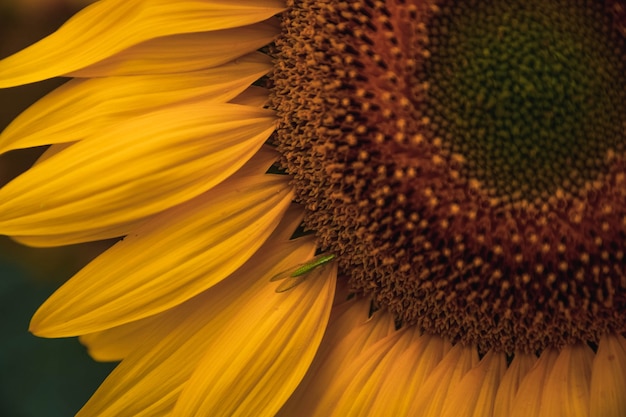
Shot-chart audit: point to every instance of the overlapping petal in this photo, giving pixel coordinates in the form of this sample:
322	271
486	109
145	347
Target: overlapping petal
400	385
171	258
150	380
177	54
474	396
116	343
254	96
383	379
255	364
350	332
431	397
608	378
519	367
110	26
82	108
528	399
566	390
356	388
141	167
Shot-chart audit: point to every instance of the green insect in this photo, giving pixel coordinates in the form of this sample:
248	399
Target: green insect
297	274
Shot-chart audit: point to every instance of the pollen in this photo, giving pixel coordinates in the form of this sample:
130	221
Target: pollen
476	155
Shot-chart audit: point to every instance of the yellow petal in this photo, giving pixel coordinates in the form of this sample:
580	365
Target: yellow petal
258	361
53	150
408	374
170	259
474	396
80	235
141	167
82	108
118	342
361	381
258	165
187	52
253	96
350	332
567	386
608	378
430	399
528	398
384	379
150	379
521	364
110	26
351	321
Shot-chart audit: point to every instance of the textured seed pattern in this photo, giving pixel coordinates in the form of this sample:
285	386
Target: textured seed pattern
470	177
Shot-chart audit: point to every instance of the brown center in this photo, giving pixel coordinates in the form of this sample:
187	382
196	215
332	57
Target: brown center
464	160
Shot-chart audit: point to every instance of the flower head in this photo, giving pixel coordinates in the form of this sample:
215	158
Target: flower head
459	166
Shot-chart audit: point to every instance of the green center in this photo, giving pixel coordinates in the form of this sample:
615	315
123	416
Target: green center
526	91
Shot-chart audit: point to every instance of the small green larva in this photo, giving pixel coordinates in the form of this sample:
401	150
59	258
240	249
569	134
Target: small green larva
297	274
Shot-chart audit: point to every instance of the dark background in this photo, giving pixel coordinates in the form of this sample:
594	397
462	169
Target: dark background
38	377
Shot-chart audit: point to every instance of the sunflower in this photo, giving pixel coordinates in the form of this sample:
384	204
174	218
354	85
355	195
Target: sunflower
350	208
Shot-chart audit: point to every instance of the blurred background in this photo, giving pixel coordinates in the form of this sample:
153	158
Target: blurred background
38	377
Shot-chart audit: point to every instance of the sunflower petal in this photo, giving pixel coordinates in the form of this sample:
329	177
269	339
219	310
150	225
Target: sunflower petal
150	379
170	259
175	154
350	332
383	379
253	96
81	108
358	385
521	364
430	399
120	229
186	52
568	384
529	395
255	366
608	378
258	165
117	343
110	26
407	375
474	396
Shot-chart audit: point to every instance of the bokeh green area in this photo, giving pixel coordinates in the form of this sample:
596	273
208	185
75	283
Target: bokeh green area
38	377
